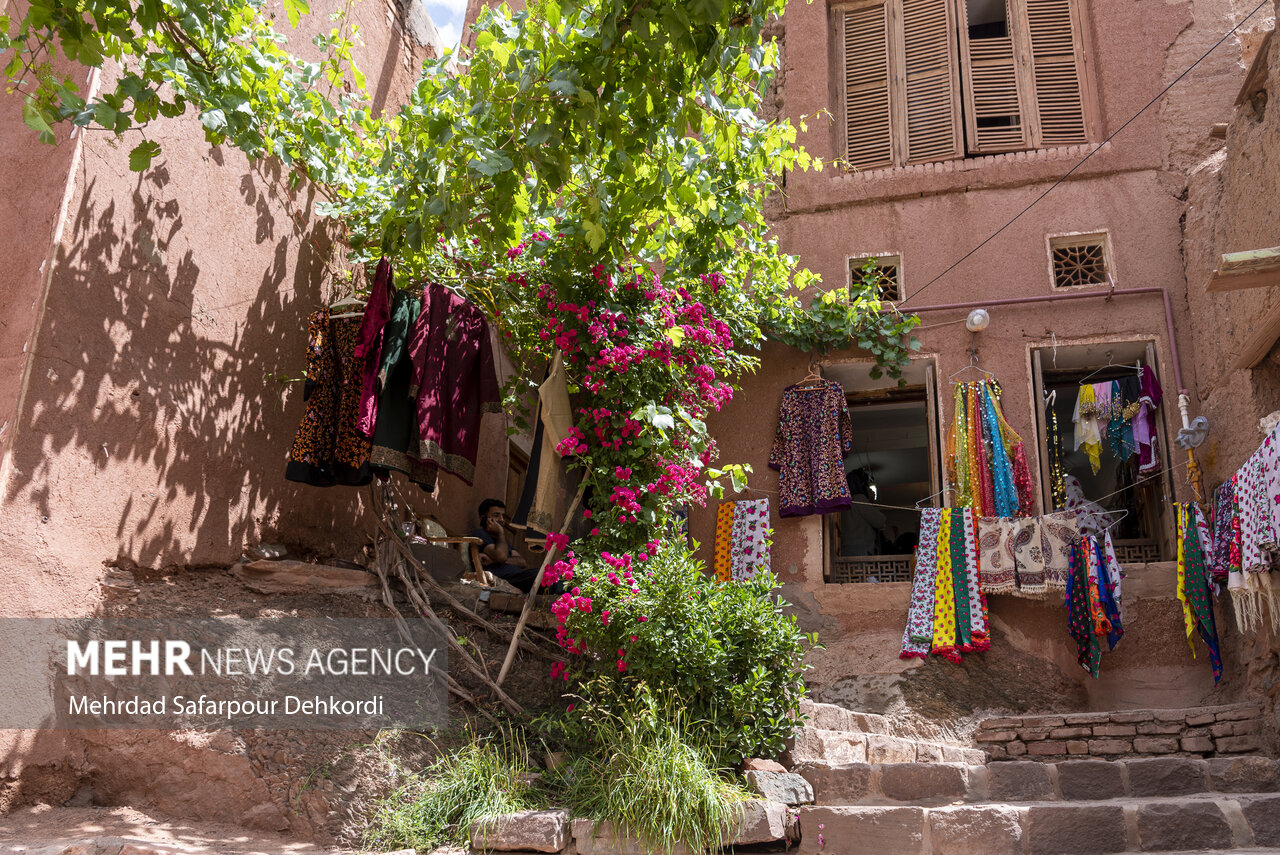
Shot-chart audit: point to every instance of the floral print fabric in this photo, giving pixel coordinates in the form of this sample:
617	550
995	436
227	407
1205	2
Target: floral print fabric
1193	590
948	611
742	540
917	636
813	437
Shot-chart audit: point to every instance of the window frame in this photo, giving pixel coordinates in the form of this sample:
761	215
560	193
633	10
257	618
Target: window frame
964	127
1165	524
850	260
1069	239
936	433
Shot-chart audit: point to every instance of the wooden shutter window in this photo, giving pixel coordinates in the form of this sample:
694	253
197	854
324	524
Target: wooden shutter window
1057	62
994	90
868	120
932	83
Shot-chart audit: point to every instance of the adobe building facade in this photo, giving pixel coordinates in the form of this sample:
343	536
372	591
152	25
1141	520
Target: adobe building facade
948	149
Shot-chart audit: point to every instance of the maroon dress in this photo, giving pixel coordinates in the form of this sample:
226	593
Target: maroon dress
454	381
814	436
369	347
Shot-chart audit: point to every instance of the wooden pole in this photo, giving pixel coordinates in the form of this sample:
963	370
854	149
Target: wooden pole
537	583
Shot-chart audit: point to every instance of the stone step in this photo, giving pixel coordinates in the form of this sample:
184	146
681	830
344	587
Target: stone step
1225	729
927	784
1212	822
844	746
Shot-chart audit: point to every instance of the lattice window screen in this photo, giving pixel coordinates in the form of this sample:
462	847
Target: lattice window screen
1079	260
887	273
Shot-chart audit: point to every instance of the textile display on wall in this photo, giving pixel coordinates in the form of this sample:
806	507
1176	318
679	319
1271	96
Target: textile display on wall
1026	556
742	540
1116	416
948	611
813	437
1093	599
401	387
1194	584
986	459
328	448
1246	537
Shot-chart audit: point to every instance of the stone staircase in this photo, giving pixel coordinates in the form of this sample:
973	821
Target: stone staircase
1050	803
1228	729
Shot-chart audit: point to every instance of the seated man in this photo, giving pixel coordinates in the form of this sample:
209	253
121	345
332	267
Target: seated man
495	554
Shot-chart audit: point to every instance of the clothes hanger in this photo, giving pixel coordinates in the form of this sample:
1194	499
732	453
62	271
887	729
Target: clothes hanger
813	379
973	363
1123	512
347	303
920	505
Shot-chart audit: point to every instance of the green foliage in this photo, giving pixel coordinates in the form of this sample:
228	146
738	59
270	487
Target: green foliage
724	652
647	771
835	320
486	777
225	60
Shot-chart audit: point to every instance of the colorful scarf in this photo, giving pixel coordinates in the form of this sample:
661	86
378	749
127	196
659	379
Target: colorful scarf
724	542
918	633
1109	589
1088	432
986	459
1098	615
944	600
978	638
1193	591
999	562
1079	620
960	580
749	549
1059	533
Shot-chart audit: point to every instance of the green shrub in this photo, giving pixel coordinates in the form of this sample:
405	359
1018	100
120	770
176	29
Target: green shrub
645	772
726	652
486	777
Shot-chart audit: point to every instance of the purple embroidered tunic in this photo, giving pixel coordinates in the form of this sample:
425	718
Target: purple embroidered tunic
368	352
813	437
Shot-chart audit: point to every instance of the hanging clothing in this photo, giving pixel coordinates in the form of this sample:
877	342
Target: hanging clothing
917	636
1058	534
1079	619
813	437
1053	440
1193	591
986	459
454	381
369	344
1144	423
1090	516
555	420
1257	532
1088	429
944	600
395	428
999	564
742	539
328	449
723	543
1269	463
1226	532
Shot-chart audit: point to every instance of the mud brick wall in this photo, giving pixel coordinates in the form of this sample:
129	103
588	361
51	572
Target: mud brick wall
1202	731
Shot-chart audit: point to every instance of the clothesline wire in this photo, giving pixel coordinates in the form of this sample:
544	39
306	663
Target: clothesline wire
1084	159
1142	480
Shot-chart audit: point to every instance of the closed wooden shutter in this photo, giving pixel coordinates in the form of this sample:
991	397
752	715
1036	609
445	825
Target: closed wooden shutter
995	92
932	82
868	119
1057	60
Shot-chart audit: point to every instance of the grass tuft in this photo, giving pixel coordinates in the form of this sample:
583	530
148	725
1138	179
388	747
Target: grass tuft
486	777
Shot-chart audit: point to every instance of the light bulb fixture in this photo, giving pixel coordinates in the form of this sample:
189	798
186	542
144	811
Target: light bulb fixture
977	320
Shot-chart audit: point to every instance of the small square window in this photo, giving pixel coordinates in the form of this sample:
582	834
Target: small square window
1079	260
885	271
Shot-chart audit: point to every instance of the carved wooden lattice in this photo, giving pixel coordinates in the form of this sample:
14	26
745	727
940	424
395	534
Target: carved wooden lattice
885	274
1130	552
1081	262
875	568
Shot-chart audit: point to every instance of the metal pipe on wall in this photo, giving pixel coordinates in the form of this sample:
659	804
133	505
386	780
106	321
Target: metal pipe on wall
1193	468
1078	295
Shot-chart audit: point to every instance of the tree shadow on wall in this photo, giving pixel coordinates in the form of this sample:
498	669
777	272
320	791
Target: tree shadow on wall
152	406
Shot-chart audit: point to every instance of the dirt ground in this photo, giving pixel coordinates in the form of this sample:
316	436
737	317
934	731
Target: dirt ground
321	783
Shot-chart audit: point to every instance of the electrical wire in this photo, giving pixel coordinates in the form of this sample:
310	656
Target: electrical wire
1084	159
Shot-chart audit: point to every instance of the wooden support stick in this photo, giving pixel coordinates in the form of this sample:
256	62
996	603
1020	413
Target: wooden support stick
537	583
